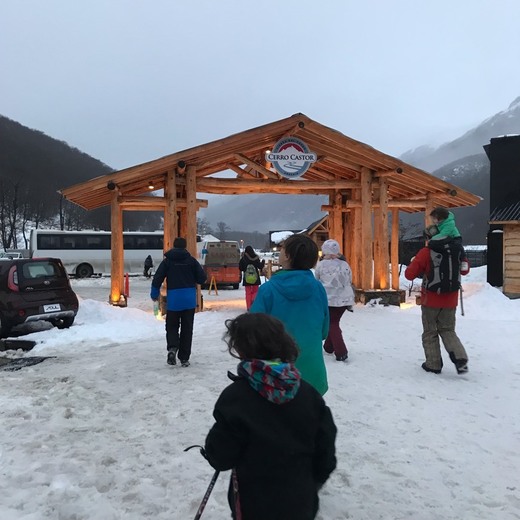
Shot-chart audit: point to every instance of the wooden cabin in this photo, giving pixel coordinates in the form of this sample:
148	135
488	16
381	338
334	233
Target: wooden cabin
509	218
295	155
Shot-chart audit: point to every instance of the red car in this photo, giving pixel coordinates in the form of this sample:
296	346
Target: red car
35	289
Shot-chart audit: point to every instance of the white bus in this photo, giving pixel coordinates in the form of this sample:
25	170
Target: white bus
85	253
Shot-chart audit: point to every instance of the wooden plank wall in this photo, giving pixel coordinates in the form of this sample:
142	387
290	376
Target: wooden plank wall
512	260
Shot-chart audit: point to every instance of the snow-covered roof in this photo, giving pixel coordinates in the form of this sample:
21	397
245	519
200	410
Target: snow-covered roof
280	236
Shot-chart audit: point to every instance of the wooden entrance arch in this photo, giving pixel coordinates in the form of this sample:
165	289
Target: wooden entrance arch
363	185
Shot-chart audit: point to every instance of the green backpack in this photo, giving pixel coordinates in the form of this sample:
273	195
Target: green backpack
251	274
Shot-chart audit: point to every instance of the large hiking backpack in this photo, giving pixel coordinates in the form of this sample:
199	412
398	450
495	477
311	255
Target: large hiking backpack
251	274
444	275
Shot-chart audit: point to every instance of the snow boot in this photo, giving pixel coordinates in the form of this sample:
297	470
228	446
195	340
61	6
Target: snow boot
428	369
171	357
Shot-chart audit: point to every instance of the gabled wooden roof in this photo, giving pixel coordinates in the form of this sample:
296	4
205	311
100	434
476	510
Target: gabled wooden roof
340	158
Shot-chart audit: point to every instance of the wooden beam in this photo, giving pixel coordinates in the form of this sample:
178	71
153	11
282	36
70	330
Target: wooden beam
257	167
143	203
239	171
215	185
388	173
392	203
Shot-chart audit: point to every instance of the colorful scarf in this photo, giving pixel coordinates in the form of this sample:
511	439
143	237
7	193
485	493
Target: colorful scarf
278	382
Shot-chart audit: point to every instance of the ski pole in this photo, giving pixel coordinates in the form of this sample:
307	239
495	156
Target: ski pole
236	495
211	484
207	494
461	302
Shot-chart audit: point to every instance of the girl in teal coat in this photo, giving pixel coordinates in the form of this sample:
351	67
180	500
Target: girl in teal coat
297	299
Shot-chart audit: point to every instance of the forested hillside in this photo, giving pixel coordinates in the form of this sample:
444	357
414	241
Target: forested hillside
33	167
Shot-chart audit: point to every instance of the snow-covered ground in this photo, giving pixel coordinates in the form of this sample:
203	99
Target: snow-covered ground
98	432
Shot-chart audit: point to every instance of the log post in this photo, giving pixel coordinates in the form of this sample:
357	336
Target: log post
117	252
330	220
191	220
355	224
338	219
427	210
395	249
384	242
191	210
170	211
366	229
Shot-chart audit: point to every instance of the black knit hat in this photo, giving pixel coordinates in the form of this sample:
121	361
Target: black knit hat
179	243
430	231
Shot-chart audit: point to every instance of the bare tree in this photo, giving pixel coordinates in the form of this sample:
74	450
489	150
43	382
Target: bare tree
203	227
9	202
222	227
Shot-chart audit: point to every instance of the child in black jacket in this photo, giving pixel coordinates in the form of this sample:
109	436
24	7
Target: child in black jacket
271	426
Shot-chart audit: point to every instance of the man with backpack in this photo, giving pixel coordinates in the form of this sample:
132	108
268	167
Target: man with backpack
251	265
440	264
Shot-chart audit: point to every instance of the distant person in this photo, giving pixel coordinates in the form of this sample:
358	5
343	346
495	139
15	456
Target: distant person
182	273
296	298
445	222
336	276
251	265
272	427
148	266
440	264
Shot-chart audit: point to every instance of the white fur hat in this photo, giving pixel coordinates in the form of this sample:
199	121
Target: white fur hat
330	247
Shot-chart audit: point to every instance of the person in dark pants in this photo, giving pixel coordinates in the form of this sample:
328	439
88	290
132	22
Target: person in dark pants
148	266
272	427
182	273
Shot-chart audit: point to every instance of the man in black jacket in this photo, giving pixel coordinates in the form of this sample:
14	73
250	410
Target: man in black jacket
182	273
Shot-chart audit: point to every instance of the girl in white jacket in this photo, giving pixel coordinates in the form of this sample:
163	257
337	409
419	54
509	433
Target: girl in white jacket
336	276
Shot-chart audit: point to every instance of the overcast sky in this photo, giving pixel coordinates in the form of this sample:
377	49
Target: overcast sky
128	81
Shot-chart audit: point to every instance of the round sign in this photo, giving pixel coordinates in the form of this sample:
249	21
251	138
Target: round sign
291	157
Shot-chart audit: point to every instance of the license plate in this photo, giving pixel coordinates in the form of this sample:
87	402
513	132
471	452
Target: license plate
52	307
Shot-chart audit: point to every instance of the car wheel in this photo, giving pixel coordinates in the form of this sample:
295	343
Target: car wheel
84	271
235	286
64	323
5	328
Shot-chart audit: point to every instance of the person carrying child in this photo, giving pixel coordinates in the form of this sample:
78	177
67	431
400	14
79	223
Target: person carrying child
441	264
271	427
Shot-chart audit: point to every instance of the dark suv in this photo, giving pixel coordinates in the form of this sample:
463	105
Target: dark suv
35	289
